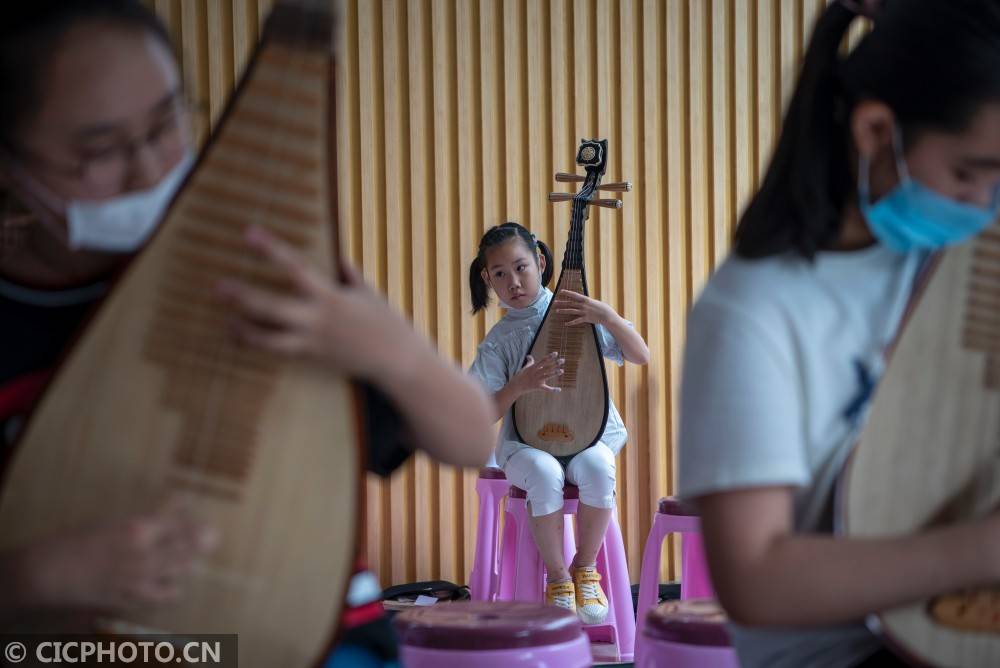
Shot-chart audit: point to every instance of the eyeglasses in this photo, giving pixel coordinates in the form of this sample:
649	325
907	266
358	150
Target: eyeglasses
109	167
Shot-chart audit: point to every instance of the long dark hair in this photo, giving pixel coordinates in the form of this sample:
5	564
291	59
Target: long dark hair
495	236
933	62
30	33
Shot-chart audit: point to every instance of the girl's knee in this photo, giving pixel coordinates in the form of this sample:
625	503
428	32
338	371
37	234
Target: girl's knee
593	471
594	463
548	468
542	478
534	466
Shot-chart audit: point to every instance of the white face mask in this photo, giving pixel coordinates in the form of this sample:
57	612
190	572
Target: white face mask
507	306
122	224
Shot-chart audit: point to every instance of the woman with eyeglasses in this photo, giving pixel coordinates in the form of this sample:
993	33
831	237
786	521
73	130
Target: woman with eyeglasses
94	142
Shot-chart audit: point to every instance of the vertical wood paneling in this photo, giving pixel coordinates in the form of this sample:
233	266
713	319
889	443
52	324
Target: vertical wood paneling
652	202
221	75
564	139
196	64
423	275
453	116
449	274
469	149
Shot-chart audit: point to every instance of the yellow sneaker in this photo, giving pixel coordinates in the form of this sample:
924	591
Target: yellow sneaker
561	595
591	603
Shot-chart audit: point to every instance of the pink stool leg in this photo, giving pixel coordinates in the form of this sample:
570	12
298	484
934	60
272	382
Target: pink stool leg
649	576
481	578
649	580
528	568
619	588
695	580
569	532
508	557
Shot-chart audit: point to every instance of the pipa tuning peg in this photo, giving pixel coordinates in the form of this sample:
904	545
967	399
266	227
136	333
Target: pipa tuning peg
564	177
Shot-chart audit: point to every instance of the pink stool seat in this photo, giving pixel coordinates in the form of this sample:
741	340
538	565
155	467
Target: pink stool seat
491	635
686	634
696	621
482	625
671	505
569	492
491	473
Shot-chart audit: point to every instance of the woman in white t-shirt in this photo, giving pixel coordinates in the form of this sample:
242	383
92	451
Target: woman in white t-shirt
885	156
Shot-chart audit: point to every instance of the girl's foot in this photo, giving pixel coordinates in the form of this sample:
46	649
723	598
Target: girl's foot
591	604
561	594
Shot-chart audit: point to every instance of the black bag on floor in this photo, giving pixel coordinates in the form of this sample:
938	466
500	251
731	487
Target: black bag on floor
405	595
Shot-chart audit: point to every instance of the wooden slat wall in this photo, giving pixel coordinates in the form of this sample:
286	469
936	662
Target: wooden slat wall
454	114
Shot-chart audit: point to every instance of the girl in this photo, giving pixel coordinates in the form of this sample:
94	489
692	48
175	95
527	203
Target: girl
517	268
93	124
885	155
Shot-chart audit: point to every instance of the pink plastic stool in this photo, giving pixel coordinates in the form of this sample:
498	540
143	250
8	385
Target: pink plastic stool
673	516
491	487
686	634
522	573
491	635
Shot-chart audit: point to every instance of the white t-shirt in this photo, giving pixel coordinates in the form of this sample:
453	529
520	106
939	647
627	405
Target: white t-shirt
781	360
502	354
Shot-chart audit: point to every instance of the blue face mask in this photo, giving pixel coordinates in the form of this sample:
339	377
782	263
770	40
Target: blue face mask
912	216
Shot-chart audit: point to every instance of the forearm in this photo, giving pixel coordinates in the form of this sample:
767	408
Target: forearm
504	398
634	349
447	410
814	580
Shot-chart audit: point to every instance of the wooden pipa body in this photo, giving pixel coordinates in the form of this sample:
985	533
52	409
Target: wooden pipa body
930	453
564	423
155	400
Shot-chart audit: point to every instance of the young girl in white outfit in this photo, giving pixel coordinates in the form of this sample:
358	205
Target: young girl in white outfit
517	267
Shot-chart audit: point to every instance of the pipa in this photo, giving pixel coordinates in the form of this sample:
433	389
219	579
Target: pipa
930	452
156	400
564	423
